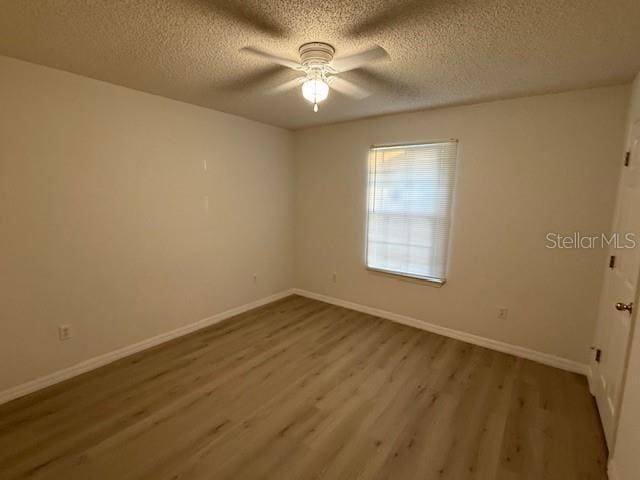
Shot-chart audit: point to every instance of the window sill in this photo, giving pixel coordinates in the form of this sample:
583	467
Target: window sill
433	282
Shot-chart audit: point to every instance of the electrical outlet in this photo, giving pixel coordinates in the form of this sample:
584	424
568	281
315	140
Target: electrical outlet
64	332
334	277
502	313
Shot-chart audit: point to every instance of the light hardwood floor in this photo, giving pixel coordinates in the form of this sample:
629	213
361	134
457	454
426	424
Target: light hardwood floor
300	389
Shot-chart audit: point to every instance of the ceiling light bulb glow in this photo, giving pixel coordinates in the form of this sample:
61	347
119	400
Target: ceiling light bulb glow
315	90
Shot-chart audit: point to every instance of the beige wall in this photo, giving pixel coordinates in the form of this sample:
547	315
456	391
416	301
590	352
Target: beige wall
104	227
625	461
527	167
103	223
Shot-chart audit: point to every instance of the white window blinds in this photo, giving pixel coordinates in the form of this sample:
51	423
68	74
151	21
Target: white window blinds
409	209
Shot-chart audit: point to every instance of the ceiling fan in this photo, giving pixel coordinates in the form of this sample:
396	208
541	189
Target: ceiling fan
320	70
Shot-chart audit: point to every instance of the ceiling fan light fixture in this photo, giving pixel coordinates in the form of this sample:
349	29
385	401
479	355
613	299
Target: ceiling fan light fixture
315	90
321	70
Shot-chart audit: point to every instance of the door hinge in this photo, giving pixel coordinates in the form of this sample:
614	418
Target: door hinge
612	261
627	158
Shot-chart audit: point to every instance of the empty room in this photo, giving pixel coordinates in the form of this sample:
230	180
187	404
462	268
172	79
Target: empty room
304	240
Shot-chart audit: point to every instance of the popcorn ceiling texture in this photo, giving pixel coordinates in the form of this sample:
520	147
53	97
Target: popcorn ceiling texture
442	52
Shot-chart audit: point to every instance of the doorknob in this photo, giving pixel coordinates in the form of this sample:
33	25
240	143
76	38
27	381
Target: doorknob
624	306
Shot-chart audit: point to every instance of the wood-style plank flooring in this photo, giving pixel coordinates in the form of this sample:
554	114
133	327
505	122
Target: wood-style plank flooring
300	389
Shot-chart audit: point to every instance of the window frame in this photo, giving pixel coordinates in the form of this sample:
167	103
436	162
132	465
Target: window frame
404	276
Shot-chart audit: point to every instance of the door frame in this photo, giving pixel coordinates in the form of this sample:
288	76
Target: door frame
595	380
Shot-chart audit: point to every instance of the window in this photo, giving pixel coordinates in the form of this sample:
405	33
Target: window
409	209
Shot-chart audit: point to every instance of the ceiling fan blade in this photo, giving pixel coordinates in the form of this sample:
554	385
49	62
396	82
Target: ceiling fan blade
347	88
288	85
260	77
358	60
385	83
241	13
392	16
285	62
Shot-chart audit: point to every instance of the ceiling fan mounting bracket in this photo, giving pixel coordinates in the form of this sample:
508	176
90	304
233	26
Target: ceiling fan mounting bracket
316	54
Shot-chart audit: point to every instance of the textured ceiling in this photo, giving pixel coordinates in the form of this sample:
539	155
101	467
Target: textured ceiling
441	52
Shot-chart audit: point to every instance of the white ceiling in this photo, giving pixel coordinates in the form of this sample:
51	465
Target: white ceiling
442	52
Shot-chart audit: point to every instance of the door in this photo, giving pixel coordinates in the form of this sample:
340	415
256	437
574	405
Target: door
619	300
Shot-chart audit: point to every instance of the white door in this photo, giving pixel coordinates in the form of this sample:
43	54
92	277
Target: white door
620	292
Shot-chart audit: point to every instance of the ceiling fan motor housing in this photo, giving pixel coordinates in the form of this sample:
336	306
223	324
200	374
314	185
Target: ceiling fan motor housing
316	54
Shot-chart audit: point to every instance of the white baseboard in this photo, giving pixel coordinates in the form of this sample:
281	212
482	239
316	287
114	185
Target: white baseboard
540	357
590	380
101	360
